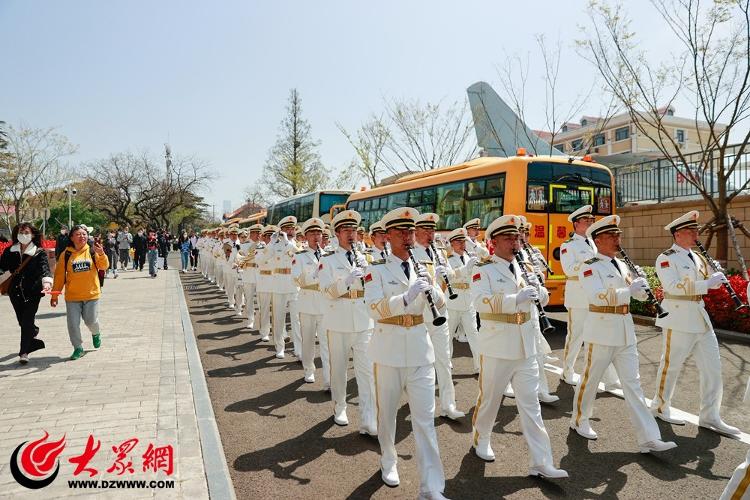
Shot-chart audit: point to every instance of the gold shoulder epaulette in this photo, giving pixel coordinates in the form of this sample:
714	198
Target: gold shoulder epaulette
668	252
426	262
300	251
377	262
568	240
591	260
483	263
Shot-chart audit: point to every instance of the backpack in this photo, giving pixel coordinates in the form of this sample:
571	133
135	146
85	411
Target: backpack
99	272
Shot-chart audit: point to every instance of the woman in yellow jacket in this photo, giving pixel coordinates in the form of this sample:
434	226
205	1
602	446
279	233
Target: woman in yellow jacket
78	271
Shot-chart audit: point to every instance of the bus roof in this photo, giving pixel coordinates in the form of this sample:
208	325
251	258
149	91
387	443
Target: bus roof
477	167
324	191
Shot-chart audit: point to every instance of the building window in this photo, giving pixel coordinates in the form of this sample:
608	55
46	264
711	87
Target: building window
622	133
680	135
599	140
584	122
560	147
576	145
564	128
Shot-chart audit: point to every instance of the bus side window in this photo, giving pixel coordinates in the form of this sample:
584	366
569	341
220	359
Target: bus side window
450	201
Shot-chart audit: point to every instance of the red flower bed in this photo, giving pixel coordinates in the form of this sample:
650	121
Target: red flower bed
47	244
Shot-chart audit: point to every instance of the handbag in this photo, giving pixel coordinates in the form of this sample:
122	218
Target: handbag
5	285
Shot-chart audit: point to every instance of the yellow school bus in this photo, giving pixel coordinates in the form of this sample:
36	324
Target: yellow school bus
543	188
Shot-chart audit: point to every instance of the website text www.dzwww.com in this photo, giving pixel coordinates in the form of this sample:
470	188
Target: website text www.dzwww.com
119	484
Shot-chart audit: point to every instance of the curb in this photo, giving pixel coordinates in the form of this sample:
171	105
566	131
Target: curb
214	462
742	338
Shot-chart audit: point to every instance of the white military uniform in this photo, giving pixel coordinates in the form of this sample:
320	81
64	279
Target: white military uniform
508	348
348	330
231	275
219	259
264	286
284	290
738	487
250	276
687	328
461	311
403	358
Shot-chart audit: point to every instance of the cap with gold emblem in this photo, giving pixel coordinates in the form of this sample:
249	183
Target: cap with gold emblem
405	217
585	212
428	220
255	228
524	225
472	224
287	222
376	227
313	224
506	224
689	220
608	224
361	229
233	230
327	233
457	234
346	218
269	230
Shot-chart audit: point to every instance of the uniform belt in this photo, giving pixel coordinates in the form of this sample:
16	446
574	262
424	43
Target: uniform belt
405	320
460	286
353	294
625	309
572	278
518	318
311	287
283	270
251	264
691	298
265	272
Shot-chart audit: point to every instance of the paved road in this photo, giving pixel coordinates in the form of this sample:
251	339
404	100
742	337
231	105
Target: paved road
280	440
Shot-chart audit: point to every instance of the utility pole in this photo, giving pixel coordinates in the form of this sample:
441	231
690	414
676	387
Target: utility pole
70	192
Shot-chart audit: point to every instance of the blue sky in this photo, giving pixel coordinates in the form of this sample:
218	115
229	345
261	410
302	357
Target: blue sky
212	78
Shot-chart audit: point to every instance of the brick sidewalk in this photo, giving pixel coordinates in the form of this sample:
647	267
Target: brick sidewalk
136	386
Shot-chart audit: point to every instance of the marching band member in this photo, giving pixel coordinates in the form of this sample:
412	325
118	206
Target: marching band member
609	335
285	291
439	335
249	269
378	250
687	328
239	288
327	240
230	269
219	258
461	311
403	354
738	487
474	247
507	346
264	258
347	322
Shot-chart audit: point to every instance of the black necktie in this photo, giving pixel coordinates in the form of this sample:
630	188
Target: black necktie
429	253
317	254
349	256
587	242
405	267
382	253
614	263
690	254
462	259
512	270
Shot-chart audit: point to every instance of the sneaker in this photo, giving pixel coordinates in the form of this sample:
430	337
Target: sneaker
23	359
78	352
97	339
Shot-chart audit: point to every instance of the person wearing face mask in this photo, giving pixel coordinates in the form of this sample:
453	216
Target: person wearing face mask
62	241
25	265
184	245
139	245
110	248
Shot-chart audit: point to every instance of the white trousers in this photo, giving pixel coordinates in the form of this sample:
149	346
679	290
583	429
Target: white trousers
293	307
573	343
325	359
230	284
738	487
204	265
419	385
219	271
340	345
625	359
441	343
523	375
249	292
279	306
676	347
264	313
312	327
210	268
467	320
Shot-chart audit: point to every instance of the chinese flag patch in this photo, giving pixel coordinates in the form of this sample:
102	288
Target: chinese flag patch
368	278
587	273
294	261
476	277
320	267
564	251
664	264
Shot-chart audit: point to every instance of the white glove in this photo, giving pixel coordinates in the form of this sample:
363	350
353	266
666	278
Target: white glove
355	274
471	262
639	271
533	280
527	294
716	279
361	261
284	237
638	286
440	270
419	286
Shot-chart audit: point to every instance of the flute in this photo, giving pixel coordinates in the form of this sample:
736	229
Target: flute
659	311
717	268
451	294
543	319
437	319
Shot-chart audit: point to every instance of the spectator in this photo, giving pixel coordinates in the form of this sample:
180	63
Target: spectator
62	241
184	245
139	245
193	250
165	240
124	240
110	248
28	260
78	274
152	247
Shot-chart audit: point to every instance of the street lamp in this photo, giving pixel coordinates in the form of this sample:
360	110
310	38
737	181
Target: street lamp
70	192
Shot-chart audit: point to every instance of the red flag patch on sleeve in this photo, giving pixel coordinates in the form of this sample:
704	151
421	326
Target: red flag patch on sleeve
664	264
368	278
320	267
476	277
587	273
564	251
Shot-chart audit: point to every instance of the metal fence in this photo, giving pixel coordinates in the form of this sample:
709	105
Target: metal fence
657	180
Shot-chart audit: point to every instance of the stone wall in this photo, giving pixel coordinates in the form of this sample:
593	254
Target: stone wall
644	236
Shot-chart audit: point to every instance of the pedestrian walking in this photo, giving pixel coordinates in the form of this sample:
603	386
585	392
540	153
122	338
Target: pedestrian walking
165	240
183	243
139	245
78	274
110	248
152	247
124	241
27	268
193	250
62	241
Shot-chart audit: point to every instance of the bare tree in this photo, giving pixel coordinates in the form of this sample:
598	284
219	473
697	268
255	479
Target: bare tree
369	146
32	161
712	70
114	184
256	195
3	136
293	165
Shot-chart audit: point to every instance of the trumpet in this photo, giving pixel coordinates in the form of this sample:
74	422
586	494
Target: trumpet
717	268
451	294
543	319
659	311
437	319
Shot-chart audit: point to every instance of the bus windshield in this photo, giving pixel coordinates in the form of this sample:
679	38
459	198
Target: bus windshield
327	200
563	187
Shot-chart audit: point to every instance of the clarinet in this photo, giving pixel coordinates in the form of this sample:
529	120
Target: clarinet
451	294
659	311
717	268
543	319
357	260
537	263
437	319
